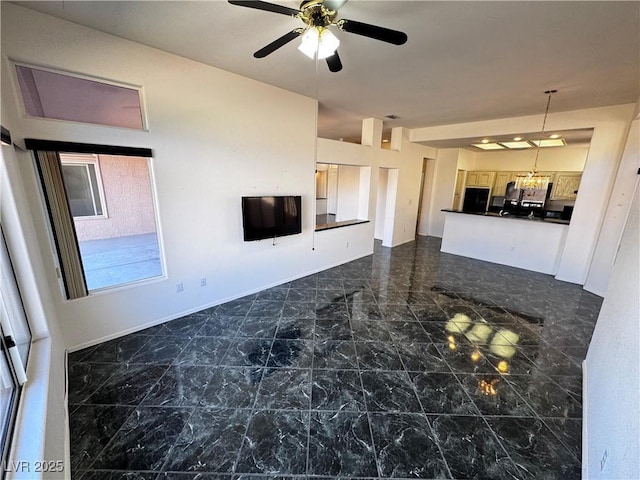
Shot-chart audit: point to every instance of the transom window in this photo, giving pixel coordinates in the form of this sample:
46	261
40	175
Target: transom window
79	98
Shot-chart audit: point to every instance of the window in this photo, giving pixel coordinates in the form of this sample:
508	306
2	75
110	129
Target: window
15	342
84	186
75	98
96	250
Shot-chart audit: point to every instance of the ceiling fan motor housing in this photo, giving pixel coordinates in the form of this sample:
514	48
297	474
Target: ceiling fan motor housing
315	14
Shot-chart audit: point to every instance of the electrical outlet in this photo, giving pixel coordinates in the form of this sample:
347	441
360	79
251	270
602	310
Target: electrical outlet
347	244
203	282
179	287
603	461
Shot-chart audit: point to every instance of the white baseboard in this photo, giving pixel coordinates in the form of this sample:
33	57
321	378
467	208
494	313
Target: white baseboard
181	314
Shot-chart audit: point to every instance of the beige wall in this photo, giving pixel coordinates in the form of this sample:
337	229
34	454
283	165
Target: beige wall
550	159
128	197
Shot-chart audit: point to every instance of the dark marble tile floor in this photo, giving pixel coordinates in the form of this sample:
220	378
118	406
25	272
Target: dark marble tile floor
405	364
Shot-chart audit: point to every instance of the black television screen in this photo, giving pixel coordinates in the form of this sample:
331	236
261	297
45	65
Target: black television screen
270	217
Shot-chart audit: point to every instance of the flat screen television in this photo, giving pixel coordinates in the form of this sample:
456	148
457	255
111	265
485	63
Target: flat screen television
270	217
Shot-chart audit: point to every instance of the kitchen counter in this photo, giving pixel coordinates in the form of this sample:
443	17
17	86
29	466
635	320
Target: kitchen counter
531	244
512	217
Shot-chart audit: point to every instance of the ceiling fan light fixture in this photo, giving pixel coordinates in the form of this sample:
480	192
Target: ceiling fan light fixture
318	41
309	42
329	43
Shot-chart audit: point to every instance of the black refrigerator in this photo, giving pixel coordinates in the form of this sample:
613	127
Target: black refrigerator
476	200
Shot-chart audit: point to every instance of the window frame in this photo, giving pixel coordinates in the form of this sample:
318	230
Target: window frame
77	159
37	146
106	81
8	428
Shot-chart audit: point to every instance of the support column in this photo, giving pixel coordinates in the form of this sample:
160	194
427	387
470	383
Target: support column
372	132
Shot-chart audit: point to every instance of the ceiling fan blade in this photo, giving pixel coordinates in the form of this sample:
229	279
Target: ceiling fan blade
277	43
334	5
266	6
334	63
373	31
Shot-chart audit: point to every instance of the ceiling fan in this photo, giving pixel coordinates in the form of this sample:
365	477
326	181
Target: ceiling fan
317	40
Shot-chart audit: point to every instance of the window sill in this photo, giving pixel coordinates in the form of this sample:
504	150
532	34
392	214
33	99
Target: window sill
344	223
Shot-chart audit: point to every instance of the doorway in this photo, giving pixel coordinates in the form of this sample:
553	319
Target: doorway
426	196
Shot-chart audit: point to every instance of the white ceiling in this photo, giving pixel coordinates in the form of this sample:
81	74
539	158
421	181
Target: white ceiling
464	61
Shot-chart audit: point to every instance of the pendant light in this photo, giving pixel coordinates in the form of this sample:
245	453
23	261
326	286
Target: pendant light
533	181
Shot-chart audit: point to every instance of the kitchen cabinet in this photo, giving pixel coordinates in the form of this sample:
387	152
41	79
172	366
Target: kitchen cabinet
564	183
480	179
566	186
502	179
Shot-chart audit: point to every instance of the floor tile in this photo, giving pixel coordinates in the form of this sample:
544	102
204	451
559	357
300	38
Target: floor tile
209	442
378	356
91	429
291	353
285	388
470	449
144	440
203	351
160	350
296	329
276	443
335	354
232	387
338	390
340	445
356	372
247	352
421	357
389	392
128	384
443	393
493	395
85	378
405	447
534	449
179	386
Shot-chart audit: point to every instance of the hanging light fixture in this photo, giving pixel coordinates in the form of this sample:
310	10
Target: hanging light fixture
533	181
318	41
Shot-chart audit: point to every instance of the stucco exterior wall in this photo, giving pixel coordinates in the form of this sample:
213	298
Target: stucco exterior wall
128	198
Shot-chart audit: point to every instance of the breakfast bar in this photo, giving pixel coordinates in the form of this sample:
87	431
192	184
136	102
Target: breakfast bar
532	244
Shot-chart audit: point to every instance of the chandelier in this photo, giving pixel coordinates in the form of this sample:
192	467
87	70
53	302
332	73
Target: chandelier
533	181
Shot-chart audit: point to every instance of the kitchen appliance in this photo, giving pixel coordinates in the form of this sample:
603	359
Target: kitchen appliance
475	200
525	201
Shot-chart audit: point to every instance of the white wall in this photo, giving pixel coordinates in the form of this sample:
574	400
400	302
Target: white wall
381	202
610	126
446	169
616	213
426	196
611	426
408	161
564	159
215	136
348	192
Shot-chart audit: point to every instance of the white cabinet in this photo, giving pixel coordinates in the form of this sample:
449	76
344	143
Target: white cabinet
566	186
500	185
480	179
